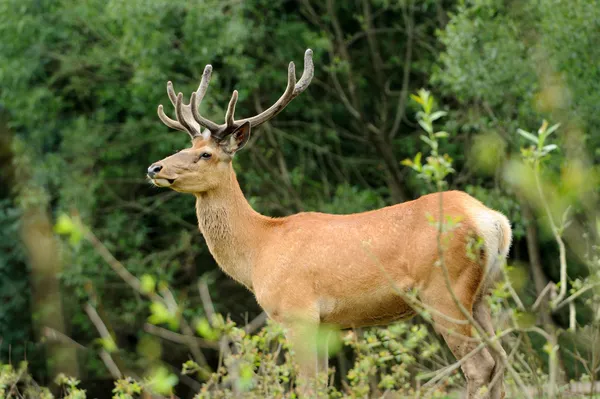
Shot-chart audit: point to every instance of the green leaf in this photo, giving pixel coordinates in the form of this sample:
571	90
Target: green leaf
162	315
549	349
147	284
428	141
204	329
64	224
528	136
441	134
418	159
162	382
108	344
426	126
437	115
76	236
429	105
246	374
190	367
417	99
552	129
543	128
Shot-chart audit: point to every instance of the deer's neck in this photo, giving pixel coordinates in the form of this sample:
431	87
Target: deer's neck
231	229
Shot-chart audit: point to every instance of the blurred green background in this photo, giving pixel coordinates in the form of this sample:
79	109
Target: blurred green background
80	82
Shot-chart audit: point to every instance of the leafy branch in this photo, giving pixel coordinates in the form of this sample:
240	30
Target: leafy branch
436	167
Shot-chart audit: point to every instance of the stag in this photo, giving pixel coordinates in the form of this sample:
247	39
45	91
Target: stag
347	270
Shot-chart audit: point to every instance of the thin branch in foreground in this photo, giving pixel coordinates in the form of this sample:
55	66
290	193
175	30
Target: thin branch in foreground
255	324
207	303
105	334
56	336
178	338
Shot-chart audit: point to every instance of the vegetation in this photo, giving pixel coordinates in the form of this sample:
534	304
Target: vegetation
107	287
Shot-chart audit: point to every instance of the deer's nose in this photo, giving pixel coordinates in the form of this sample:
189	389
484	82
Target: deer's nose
153	170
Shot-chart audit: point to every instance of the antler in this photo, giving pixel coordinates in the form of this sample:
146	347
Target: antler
189	119
292	91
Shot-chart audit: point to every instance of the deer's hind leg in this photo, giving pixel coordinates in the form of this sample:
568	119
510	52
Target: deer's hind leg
477	363
481	313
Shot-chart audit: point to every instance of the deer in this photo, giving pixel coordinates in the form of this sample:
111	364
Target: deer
346	270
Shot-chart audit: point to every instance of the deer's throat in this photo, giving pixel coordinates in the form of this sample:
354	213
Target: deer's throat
228	225
215	224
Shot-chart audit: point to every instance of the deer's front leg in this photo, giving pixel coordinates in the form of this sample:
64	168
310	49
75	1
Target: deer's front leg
311	348
323	355
301	335
301	324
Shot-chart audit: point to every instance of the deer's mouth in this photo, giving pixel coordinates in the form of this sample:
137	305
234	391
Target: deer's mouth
162	182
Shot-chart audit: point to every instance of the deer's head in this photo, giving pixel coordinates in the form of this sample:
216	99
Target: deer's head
207	163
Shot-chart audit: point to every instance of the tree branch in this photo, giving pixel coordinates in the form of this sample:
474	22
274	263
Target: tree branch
401	109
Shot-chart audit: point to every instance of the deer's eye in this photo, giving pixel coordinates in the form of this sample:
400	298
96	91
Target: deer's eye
205	155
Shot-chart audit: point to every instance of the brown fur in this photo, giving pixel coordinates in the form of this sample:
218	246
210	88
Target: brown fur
346	269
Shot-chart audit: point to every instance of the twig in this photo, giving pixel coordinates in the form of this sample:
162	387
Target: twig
544	292
372	42
105	334
55	335
512	292
408	21
110	364
575	295
176	337
112	261
557	237
440	374
256	323
343	51
572	318
207	303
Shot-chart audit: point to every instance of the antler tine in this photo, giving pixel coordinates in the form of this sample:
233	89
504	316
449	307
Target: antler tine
168	121
231	109
204	82
192	131
197	97
181	123
292	90
171	93
307	74
202	121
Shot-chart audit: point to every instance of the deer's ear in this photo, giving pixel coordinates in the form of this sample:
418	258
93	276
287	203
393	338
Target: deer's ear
237	139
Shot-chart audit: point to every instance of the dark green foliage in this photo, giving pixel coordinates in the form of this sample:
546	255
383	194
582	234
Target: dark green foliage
519	61
15	319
